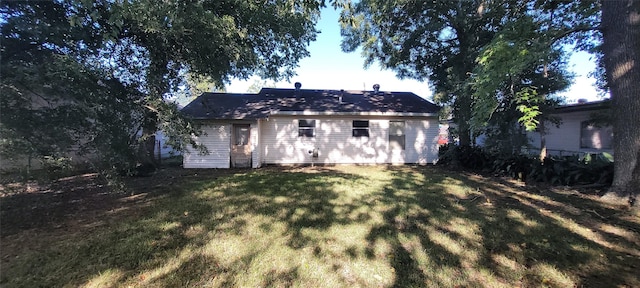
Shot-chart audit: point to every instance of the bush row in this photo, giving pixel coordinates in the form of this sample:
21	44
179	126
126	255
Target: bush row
555	170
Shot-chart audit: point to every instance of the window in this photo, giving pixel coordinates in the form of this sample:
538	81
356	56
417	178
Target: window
360	128
396	135
241	135
306	128
595	137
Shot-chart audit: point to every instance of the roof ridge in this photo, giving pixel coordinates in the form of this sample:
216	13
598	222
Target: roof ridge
222	105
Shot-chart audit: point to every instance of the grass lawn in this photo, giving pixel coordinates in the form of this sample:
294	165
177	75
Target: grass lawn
345	226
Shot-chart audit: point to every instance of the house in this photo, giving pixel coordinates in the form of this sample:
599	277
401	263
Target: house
580	130
164	150
305	126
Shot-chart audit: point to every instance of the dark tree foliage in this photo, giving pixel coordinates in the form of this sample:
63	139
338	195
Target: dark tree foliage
442	40
434	40
53	100
96	74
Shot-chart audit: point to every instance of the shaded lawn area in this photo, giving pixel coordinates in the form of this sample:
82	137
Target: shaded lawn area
345	226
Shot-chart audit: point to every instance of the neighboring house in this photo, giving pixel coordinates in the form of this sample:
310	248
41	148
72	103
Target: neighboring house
164	150
579	131
302	126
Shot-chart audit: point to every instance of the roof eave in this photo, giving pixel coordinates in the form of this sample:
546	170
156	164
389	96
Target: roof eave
575	107
333	113
221	119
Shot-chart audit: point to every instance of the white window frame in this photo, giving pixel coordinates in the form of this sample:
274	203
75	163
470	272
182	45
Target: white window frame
306	125
588	132
358	129
398	133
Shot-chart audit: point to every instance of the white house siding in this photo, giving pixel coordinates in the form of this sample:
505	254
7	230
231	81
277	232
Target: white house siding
422	141
256	158
217	140
333	138
565	139
164	151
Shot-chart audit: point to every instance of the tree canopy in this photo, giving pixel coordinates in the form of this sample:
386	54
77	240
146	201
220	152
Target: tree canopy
97	73
434	40
495	61
459	46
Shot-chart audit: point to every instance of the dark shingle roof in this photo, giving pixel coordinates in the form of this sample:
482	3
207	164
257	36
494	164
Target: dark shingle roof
587	106
272	101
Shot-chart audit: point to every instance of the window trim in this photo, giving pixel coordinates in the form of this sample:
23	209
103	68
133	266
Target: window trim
237	131
602	130
402	135
306	125
360	128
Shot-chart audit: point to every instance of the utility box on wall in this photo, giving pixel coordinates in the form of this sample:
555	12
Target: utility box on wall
314	153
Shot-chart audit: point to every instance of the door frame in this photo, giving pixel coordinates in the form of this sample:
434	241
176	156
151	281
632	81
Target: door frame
247	151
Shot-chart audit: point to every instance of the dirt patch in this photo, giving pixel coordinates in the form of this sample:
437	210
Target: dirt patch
35	213
81	200
32	205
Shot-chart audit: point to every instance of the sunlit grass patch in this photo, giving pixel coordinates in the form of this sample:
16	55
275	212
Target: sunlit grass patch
547	275
344	226
107	278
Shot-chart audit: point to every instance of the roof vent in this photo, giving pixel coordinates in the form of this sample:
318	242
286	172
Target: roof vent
582	100
376	88
297	85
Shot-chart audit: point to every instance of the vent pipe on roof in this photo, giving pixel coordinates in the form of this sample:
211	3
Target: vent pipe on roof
297	85
376	88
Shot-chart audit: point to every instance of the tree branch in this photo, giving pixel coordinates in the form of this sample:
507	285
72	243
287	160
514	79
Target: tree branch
26	87
574	30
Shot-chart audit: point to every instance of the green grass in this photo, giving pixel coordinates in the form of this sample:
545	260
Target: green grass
350	226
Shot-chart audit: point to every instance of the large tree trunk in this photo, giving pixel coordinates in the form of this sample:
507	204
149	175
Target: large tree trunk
621	47
462	121
464	116
146	162
157	85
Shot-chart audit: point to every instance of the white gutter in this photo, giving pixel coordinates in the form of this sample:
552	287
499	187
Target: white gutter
316	113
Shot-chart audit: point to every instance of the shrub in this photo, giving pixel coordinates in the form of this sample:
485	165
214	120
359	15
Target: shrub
56	167
516	166
574	170
555	170
467	157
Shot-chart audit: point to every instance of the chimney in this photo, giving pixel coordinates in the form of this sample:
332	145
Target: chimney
582	101
376	88
297	85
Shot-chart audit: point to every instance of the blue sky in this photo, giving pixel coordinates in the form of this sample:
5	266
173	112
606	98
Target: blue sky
330	68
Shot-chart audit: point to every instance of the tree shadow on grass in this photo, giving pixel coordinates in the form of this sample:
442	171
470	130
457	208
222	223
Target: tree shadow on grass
40	205
546	236
421	227
418	259
189	217
478	232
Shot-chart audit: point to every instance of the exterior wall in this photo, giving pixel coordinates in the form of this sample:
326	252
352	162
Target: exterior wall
422	141
333	138
565	139
218	143
256	158
216	138
164	150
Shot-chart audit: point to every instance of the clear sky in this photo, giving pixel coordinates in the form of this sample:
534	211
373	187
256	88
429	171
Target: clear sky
330	68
